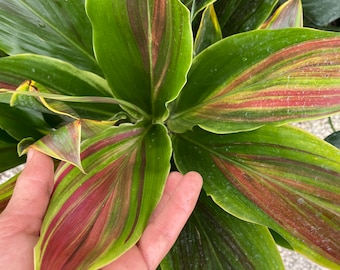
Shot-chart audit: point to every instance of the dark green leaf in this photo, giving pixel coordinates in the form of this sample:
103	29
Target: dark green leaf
187	3
9	156
6	138
214	239
199	5
20	123
237	16
321	13
57	28
334	139
58	75
209	31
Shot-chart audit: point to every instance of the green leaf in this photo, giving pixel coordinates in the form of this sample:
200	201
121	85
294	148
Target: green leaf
214	239
236	16
291	74
6	138
8	156
19	98
200	5
282	177
35	96
287	15
59	77
209	31
323	13
57	29
111	204
155	49
334	139
19	123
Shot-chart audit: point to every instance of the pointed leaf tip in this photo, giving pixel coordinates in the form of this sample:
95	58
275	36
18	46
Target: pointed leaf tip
62	144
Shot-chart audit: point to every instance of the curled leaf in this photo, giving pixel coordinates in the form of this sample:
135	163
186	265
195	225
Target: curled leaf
39	102
62	144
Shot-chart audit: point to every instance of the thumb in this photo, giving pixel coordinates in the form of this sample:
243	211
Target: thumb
33	188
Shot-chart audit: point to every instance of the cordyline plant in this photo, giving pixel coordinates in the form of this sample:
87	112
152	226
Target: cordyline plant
123	91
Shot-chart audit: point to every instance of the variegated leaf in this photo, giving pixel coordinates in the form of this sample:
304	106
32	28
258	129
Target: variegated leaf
289	14
94	218
236	85
6	191
64	143
157	41
276	177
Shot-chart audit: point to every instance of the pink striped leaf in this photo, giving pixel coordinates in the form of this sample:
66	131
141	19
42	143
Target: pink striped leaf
259	78
289	14
63	144
155	36
94	218
274	176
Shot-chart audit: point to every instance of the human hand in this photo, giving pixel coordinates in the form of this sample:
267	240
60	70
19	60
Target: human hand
20	222
167	221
